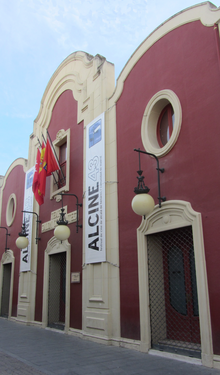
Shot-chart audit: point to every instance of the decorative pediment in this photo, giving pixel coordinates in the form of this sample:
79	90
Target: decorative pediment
56	246
78	73
7	257
172	214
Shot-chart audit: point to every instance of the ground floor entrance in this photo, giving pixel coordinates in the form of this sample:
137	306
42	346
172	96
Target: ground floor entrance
174	312
57	291
6	283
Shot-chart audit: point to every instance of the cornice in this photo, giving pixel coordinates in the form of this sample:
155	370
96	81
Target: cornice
71	74
206	12
83	57
70	81
20	161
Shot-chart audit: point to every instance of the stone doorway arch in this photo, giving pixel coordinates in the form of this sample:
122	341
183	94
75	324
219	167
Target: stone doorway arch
173	215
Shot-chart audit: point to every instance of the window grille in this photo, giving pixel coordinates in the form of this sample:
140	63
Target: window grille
174	311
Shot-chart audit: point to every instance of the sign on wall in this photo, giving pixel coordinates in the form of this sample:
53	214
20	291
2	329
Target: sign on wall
25	263
95	250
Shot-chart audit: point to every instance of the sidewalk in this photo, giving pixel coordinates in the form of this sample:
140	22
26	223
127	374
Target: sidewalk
26	350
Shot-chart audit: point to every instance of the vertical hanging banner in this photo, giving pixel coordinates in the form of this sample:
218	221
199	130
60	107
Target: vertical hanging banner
95	250
25	263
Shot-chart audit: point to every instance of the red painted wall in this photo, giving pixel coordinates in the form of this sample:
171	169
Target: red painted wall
64	116
14	184
185	61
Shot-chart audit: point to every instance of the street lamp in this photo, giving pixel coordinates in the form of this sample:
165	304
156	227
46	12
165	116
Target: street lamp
22	241
62	231
143	204
6	239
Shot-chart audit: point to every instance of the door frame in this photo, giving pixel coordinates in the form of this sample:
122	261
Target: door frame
54	246
173	215
7	257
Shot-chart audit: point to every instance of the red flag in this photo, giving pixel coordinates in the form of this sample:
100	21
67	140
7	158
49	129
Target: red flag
36	171
36	180
50	159
49	165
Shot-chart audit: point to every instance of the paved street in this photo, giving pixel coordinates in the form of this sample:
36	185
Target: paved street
26	350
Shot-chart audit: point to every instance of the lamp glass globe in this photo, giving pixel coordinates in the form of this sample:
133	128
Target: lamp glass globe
62	232
22	242
143	204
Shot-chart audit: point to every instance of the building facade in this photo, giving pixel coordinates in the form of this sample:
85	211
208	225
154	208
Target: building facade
149	283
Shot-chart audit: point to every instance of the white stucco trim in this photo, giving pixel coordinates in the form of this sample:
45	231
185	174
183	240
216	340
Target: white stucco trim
206	12
216	359
172	215
80	73
150	120
61	137
17	162
10	216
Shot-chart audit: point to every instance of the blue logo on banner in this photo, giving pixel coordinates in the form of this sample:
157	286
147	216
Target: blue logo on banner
30	179
95	134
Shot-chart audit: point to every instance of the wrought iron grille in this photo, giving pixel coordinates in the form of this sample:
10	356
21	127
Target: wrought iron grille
57	291
6	290
174	311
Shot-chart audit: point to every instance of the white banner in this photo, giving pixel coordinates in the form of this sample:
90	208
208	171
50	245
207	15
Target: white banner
95	250
25	263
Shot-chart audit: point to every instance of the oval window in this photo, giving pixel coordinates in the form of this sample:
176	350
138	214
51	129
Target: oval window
165	125
161	123
11	210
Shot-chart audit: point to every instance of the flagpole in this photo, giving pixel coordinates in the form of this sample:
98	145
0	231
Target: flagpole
39	142
44	139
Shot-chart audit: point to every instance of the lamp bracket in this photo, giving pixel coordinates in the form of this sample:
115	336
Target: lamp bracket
62	220
6	238
37	238
141	187
160	169
23	232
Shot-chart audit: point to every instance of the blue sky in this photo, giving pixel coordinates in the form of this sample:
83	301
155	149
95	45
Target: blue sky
37	35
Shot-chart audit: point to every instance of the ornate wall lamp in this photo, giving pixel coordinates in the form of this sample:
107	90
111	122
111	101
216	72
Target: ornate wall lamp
62	231
22	241
6	239
143	204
